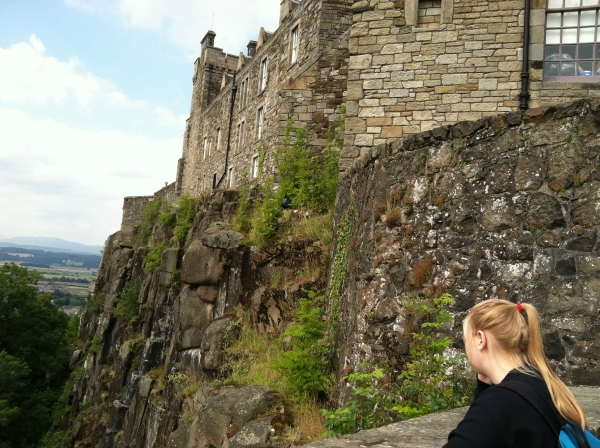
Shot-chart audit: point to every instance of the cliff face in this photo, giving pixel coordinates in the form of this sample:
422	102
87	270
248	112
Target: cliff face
134	366
504	207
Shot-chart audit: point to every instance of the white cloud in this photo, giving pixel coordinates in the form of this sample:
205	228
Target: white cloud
28	76
65	182
185	22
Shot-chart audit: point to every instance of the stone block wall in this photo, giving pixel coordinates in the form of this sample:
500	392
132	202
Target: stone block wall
407	77
501	207
133	210
309	92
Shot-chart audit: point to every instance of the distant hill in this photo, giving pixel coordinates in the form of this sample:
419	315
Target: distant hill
50	244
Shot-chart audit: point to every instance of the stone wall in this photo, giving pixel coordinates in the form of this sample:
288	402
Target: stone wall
309	92
133	210
503	207
406	76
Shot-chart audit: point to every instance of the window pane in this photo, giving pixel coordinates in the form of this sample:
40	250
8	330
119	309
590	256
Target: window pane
571	3
588	18
597	51
586	51
585	68
568	52
589	2
553	20
551	52
567	69
551	69
569	36
555	4
570	19
553	37
586	34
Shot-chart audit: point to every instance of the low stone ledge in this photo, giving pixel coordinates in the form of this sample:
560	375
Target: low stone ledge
431	431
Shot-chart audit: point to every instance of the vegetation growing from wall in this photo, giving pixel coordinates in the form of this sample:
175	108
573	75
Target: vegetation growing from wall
127	303
186	211
308	179
158	210
433	381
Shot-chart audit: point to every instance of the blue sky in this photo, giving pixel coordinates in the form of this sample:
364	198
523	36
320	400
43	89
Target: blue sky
94	95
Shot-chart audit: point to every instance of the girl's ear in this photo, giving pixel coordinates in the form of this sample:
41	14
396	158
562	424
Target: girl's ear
481	340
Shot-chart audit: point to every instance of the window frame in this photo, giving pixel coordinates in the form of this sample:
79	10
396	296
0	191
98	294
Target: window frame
263	78
240	137
230	177
260	119
295	43
205	146
254	167
218	143
244	92
576	46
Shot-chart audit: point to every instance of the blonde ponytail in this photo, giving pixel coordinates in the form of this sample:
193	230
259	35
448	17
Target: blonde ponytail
519	334
562	397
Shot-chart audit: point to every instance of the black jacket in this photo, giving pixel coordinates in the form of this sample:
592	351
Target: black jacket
500	418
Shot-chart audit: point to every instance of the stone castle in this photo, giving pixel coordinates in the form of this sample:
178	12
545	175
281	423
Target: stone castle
400	67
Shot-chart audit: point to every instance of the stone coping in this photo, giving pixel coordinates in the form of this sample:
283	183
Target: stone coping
431	431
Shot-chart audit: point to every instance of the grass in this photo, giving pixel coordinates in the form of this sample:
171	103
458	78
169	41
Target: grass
314	227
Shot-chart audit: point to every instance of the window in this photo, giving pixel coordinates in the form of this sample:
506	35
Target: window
295	44
262	80
254	167
244	93
218	139
209	146
230	178
205	147
214	183
240	135
571	52
259	122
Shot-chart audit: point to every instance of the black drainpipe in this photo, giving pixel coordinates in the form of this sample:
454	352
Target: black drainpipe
233	93
210	72
524	95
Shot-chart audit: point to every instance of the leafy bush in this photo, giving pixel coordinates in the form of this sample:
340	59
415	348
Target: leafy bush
244	212
306	364
153	258
157	210
432	380
96	305
309	180
55	439
127	306
264	219
185	217
95	344
370	405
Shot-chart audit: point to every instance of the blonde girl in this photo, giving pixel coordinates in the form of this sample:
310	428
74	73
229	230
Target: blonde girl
503	341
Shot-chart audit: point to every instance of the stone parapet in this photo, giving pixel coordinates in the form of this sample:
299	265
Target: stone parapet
431	431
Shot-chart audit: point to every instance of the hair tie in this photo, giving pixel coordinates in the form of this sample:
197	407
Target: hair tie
520	307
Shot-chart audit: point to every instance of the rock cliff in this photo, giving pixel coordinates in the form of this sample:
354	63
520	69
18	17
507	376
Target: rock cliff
506	206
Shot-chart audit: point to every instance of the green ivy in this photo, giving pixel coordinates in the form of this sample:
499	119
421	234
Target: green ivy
338	274
244	213
158	210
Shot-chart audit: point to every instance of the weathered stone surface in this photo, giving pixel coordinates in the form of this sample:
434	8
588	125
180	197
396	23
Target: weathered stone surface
194	316
201	265
544	212
230	412
220	236
212	344
207	293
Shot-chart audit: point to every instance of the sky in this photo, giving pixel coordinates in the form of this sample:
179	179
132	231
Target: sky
94	95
